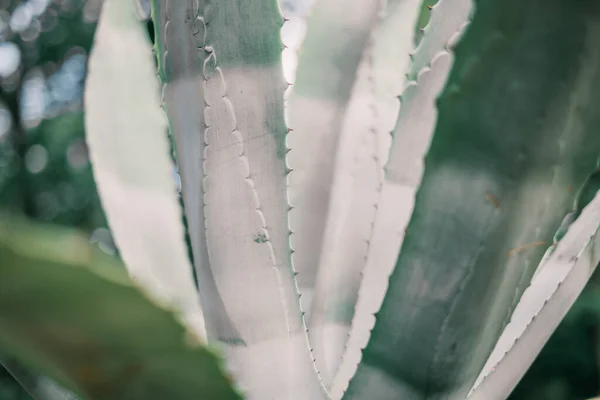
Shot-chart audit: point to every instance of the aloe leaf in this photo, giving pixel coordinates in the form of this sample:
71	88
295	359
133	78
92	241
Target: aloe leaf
358	174
542	306
132	167
68	311
235	153
516	128
328	61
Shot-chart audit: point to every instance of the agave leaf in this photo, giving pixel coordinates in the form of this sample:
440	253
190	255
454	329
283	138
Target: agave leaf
358	174
232	153
338	31
412	130
68	311
130	154
354	191
516	128
447	18
542	306
537	299
395	205
179	61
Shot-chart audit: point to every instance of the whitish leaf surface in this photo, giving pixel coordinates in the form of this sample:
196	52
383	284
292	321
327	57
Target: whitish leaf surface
178	37
544	304
338	31
446	19
70	312
356	180
358	175
129	150
232	145
516	131
395	205
412	130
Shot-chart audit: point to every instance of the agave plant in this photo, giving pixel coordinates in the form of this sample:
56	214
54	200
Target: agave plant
367	219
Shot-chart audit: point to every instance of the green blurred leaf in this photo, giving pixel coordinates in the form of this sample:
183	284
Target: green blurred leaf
69	311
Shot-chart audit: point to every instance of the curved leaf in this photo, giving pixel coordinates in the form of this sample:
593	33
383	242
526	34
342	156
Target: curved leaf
412	130
221	61
447	18
337	34
358	174
395	205
178	57
542	306
129	150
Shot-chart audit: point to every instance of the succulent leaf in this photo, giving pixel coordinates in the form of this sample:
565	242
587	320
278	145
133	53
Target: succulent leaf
358	174
412	130
178	36
447	20
131	160
543	305
516	127
225	56
327	66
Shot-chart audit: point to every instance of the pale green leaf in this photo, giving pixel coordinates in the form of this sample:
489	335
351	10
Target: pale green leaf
365	138
221	64
542	306
130	154
338	31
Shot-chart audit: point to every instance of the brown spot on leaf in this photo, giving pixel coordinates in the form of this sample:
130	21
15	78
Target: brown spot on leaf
493	200
524	247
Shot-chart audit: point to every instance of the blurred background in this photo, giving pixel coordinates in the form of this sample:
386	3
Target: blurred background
45	173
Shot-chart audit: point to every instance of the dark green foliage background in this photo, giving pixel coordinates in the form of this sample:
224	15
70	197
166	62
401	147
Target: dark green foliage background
10	389
566	369
62	192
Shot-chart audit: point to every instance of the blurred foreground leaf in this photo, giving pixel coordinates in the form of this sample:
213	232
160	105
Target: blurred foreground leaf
67	311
